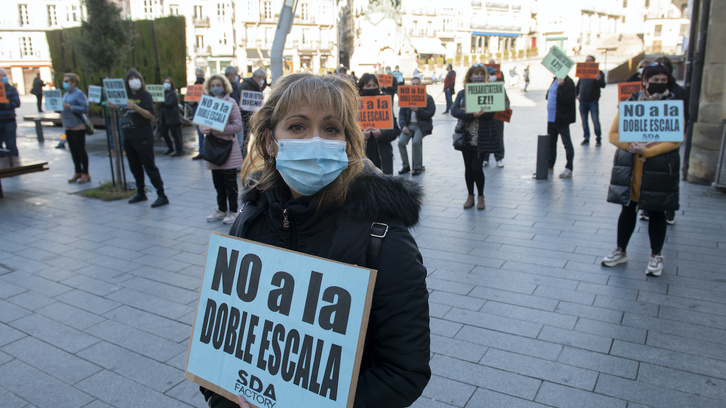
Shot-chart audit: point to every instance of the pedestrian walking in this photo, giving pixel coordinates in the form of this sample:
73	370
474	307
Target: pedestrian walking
309	126
415	123
224	175
37	90
449	86
75	106
646	176
135	123
526	78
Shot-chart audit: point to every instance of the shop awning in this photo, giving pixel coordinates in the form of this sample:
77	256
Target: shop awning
428	46
495	34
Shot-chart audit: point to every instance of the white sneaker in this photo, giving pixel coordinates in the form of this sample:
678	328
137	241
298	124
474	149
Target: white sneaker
655	266
229	219
500	163
486	163
567	173
216	216
615	258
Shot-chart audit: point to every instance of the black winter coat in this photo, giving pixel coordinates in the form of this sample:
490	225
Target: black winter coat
395	363
169	112
659	188
423	115
588	89
565	102
489	137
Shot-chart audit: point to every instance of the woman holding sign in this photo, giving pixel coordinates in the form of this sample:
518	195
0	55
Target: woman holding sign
224	175
75	106
378	141
646	176
311	189
485	134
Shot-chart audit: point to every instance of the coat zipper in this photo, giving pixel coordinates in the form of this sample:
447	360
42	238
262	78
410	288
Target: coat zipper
285	220
286	225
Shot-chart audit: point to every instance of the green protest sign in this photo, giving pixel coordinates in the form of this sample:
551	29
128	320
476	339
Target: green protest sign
558	62
156	91
485	95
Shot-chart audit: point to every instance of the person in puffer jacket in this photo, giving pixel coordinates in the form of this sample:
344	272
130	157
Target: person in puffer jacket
330	216
646	176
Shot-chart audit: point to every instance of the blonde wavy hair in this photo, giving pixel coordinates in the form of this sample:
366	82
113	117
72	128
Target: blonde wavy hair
327	93
225	82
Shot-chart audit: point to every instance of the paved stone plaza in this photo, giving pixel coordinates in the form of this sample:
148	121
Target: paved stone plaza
96	298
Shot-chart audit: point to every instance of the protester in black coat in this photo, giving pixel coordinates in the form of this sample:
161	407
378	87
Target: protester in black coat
378	142
334	220
415	124
560	113
170	120
255	83
37	90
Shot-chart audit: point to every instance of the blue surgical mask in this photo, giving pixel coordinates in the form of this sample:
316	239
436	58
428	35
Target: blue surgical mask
166	85
308	165
216	90
66	86
477	79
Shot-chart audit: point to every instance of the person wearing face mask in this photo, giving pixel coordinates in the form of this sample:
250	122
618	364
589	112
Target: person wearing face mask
8	125
224	176
138	134
645	176
484	139
254	83
75	106
638	75
199	72
378	142
170	120
309	188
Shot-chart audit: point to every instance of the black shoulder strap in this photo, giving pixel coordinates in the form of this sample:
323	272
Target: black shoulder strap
378	232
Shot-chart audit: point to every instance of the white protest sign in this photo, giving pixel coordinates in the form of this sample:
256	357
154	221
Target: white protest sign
487	96
115	91
156	91
53	100
281	328
213	112
651	121
558	62
94	94
251	100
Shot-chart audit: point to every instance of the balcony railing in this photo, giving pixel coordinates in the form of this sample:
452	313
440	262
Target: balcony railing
200	21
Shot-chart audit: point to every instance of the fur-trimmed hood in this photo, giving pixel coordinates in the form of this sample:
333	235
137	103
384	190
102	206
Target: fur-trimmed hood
374	196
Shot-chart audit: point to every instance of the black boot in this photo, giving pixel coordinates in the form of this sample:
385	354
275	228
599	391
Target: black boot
140	196
161	200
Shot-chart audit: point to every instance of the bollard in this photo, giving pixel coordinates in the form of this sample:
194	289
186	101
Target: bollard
543	156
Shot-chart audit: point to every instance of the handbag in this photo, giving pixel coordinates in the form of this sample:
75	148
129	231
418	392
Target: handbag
460	140
89	124
216	150
460	126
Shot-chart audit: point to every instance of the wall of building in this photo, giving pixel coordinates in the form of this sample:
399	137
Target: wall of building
708	130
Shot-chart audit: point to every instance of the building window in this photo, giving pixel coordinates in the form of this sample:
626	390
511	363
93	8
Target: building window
268	9
683	31
174	9
658	30
26	47
198	12
52	15
220	12
269	35
304	11
150	7
625	3
72	13
223	39
200	41
24	18
647	3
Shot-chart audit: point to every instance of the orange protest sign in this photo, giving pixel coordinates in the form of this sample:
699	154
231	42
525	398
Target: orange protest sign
504	115
497	67
194	93
375	112
626	89
412	95
587	69
385	80
3	95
